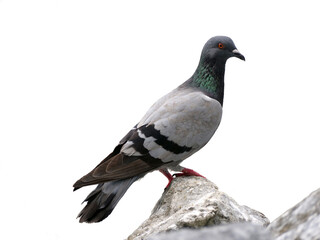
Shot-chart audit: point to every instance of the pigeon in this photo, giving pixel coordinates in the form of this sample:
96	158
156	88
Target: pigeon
175	127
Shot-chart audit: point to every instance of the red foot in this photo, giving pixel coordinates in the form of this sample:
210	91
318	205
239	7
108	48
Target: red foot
188	172
168	175
185	172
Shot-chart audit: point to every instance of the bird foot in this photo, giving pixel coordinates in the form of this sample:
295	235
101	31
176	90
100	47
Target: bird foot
187	172
184	172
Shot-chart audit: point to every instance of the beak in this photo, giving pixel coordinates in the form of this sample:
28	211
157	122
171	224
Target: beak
237	54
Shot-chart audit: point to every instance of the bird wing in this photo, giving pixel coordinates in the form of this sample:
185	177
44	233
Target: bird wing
118	165
180	124
175	127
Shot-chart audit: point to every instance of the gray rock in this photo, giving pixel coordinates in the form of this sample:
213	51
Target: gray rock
236	231
300	222
194	202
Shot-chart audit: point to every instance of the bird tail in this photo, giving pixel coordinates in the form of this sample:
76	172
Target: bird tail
102	200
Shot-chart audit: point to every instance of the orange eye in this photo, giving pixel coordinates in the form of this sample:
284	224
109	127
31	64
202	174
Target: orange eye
220	45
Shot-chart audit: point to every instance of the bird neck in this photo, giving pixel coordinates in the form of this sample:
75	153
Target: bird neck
209	78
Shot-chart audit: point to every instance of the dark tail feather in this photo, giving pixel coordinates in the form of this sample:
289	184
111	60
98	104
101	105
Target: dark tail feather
102	200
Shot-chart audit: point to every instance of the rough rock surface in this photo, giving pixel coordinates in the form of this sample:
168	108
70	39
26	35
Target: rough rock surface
194	202
236	231
300	222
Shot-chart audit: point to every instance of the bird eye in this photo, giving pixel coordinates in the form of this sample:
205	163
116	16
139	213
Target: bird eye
220	45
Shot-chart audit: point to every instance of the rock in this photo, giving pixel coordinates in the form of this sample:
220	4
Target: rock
300	222
236	231
194	202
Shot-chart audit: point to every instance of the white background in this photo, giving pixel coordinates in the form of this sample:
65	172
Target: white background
77	75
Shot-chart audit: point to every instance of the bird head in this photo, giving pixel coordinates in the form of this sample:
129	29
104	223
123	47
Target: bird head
219	49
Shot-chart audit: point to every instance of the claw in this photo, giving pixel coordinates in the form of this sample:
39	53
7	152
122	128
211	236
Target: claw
187	172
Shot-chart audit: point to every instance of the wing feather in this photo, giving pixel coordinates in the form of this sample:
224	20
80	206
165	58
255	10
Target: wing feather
117	165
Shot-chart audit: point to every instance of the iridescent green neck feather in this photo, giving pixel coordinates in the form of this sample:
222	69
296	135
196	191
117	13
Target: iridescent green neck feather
209	78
